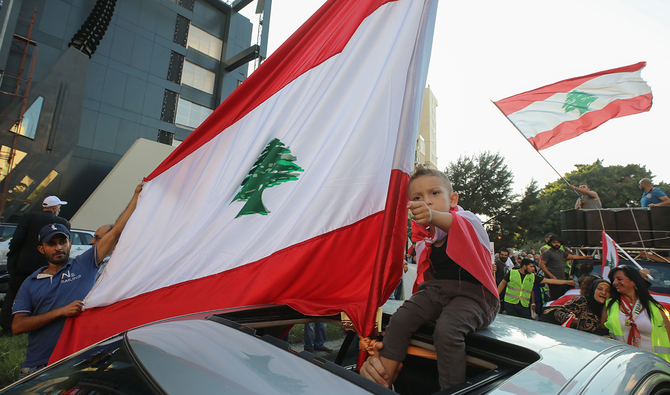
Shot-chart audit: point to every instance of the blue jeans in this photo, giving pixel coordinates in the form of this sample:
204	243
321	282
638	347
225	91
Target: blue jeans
310	340
517	310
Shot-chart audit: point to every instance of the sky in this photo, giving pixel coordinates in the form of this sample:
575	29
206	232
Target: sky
488	50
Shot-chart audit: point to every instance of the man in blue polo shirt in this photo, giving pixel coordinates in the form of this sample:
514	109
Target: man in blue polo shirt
55	292
652	196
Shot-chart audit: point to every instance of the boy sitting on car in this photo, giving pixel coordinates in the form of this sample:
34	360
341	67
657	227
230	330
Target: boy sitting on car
456	287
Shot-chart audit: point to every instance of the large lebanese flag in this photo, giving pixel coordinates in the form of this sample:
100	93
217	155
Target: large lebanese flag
325	130
558	112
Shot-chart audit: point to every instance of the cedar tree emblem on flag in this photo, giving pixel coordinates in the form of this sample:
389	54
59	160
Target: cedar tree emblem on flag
546	116
579	101
273	167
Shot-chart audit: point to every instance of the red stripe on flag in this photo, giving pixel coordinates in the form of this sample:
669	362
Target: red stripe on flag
591	120
288	276
518	102
324	35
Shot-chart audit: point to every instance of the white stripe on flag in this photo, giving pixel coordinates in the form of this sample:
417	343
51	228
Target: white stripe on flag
545	115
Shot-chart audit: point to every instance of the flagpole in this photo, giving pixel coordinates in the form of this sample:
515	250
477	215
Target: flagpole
536	150
631	259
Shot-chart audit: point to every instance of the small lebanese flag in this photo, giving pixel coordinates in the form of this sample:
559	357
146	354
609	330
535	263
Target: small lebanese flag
293	191
610	256
568	322
558	112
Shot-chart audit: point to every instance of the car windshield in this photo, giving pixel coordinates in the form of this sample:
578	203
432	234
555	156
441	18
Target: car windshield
658	270
220	359
107	368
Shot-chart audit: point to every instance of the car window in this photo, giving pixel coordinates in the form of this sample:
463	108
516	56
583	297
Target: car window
7	232
107	368
81	238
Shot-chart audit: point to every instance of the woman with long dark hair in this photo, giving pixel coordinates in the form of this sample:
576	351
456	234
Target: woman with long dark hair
633	316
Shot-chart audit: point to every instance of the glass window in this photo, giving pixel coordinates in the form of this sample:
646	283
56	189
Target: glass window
21	187
80	238
197	77
190	114
6	232
28	126
204	42
107	368
4	160
43	185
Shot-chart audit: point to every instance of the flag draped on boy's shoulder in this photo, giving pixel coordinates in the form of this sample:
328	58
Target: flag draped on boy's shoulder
293	191
468	245
610	255
558	112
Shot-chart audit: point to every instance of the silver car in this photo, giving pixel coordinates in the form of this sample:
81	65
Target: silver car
237	351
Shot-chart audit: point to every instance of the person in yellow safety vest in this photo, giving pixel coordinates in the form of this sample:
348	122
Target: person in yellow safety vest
633	316
519	288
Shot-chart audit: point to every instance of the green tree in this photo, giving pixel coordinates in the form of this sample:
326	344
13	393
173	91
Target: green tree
484	186
528	215
617	186
273	167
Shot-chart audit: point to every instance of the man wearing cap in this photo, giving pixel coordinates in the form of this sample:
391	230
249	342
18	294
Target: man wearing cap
55	292
23	257
552	263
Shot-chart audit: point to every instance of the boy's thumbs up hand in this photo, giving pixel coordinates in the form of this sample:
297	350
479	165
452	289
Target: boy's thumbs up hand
421	212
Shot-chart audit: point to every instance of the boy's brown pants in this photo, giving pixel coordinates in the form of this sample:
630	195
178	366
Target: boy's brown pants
457	308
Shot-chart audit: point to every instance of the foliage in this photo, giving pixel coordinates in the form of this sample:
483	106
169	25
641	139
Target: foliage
12	354
484	185
529	216
617	186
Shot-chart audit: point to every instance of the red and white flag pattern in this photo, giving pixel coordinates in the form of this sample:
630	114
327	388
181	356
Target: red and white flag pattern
293	191
568	321
610	255
558	112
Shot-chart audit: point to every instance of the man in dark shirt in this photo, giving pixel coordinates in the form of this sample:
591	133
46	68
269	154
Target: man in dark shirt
519	294
23	257
501	267
552	264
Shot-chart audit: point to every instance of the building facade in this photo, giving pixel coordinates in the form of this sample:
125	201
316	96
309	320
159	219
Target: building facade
159	69
426	144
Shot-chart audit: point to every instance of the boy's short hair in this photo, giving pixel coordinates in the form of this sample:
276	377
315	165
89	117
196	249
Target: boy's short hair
421	171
